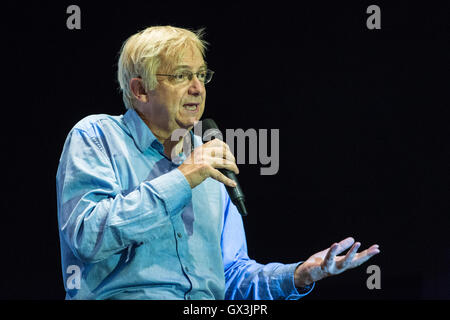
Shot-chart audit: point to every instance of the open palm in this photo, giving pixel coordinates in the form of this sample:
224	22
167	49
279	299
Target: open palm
326	262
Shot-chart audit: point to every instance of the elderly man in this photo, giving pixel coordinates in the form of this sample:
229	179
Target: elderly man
139	218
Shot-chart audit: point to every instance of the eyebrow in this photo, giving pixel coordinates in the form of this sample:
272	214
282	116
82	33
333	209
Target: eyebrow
184	66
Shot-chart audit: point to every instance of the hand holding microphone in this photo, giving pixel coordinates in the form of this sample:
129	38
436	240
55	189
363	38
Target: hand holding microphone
204	162
214	159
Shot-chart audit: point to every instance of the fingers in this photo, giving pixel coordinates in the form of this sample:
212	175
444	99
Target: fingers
218	148
333	264
345	244
217	175
225	164
204	162
219	153
354	259
328	262
373	250
350	255
366	255
336	264
220	156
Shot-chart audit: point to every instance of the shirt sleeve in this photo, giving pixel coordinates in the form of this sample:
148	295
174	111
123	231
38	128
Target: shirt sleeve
95	219
245	279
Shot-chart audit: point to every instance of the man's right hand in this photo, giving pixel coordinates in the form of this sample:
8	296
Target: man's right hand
204	162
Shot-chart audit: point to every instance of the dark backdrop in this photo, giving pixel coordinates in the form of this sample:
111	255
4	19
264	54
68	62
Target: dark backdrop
362	116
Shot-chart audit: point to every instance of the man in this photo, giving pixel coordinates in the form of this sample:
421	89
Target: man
141	219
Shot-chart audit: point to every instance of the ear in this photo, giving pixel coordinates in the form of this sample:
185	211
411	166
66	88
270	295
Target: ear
138	89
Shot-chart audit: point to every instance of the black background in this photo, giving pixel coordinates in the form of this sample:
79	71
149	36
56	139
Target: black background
362	116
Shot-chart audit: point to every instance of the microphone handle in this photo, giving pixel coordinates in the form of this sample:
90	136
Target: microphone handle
236	194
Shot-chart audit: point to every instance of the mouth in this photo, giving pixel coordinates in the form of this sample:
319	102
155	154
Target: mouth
191	107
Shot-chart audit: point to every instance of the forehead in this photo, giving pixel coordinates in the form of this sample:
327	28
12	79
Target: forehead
189	58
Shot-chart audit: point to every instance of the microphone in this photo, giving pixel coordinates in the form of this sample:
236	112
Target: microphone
210	129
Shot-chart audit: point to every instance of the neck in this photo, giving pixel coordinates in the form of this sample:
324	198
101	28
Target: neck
165	138
170	146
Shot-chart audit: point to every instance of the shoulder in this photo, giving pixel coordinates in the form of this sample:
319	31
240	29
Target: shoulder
99	124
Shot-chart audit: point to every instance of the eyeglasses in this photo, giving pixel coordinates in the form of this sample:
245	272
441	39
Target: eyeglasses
204	76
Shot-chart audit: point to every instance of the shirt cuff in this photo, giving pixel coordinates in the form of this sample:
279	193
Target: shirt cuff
288	286
174	190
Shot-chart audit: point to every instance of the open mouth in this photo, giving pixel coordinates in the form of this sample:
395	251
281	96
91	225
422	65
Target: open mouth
192	107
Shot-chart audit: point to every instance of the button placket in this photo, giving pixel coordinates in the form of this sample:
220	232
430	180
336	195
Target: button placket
182	249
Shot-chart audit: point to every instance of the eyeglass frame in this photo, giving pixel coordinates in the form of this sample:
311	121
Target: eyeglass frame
191	75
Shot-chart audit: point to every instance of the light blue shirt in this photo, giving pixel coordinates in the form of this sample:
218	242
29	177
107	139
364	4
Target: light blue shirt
132	228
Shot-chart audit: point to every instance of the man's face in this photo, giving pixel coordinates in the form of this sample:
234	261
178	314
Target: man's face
175	105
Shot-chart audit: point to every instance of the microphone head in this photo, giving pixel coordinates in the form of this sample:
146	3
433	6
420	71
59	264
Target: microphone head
209	130
209	124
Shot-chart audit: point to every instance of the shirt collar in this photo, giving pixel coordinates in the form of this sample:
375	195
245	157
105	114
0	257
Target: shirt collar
141	133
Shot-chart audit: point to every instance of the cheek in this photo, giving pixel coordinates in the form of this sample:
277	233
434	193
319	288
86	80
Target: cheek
204	99
203	105
173	101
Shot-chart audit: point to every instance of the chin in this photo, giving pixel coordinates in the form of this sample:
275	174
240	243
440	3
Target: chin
187	123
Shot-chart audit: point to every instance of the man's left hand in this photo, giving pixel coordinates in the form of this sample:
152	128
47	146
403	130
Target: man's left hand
326	263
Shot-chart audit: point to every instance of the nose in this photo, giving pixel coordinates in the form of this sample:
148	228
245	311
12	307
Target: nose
196	87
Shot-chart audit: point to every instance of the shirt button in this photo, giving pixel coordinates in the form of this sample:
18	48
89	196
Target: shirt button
188	297
179	235
186	269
